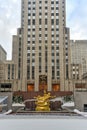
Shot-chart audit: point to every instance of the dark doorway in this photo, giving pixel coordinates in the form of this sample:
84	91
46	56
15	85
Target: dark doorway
85	107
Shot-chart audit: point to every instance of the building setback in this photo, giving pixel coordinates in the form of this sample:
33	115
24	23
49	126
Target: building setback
41	46
3	54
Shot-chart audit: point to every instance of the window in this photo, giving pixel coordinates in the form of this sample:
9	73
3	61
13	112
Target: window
57	41
45	29
39	68
28	48
57	35
33	14
8	71
45	68
46	8
40	59
12	71
29	21
52	21
39	29
45	41
52	2
66	54
39	47
57	67
46	2
28	72
57	60
52	35
52	14
57	48
53	60
52	41
29	29
52	54
28	54
33	60
34	2
28	35
33	22
57	21
39	54
45	35
28	42
29	2
40	21
40	13
52	47
33	29
29	8
57	8
39	41
57	29
57	14
45	21
33	36
52	8
58	73
57	2
39	35
33	8
52	29
29	14
33	41
40	2
40	7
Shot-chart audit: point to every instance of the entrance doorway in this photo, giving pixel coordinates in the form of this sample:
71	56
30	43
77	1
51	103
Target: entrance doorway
85	107
56	87
30	87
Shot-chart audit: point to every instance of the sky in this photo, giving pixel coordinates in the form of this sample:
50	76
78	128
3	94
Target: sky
10	15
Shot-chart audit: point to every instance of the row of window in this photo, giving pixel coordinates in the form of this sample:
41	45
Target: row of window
46	41
40	60
46	35
33	54
52	14
52	8
57	48
46	21
52	2
40	29
33	73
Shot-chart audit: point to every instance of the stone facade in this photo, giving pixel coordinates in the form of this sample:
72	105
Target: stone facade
9	101
81	100
8	76
79	56
42	45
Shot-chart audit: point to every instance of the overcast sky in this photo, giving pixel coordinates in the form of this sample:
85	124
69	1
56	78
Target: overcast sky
76	19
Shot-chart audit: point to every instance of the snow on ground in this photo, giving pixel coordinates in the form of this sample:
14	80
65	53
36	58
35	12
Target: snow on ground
68	104
18	105
43	124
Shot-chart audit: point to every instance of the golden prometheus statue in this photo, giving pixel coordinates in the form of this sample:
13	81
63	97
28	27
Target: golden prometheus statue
43	102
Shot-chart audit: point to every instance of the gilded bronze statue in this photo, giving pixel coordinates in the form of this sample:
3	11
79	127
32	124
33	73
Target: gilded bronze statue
43	102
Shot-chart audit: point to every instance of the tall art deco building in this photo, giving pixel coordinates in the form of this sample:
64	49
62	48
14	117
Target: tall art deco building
41	46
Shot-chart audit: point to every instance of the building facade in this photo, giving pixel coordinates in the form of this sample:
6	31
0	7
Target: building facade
41	46
79	57
8	76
